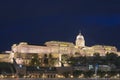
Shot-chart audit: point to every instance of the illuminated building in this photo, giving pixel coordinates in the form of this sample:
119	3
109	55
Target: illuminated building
58	47
80	42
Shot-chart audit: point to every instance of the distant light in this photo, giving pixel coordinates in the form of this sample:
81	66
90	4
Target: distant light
20	66
71	76
8	51
38	67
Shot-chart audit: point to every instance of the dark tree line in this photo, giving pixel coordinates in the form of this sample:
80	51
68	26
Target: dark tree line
48	60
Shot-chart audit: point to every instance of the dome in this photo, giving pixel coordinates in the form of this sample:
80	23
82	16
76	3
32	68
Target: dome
79	36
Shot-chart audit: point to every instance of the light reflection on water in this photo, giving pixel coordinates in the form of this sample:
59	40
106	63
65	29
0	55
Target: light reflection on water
60	79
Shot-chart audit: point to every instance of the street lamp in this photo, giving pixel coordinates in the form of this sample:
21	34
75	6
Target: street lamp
106	75
81	76
118	75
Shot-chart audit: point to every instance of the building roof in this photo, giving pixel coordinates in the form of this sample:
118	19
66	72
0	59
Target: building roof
58	43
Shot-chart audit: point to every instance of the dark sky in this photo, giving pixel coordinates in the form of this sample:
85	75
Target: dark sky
38	21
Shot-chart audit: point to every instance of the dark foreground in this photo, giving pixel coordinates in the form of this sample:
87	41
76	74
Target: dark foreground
60	79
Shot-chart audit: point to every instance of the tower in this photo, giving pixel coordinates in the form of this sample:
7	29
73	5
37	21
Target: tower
80	42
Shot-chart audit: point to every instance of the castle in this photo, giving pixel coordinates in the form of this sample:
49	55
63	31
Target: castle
64	48
57	48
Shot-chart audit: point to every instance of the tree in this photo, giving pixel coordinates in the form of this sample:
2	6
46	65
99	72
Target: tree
66	74
45	60
65	58
118	61
88	73
48	60
7	68
72	61
96	58
76	73
82	60
51	60
111	58
35	60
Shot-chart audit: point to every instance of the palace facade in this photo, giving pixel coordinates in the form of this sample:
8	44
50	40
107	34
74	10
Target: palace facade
64	48
57	48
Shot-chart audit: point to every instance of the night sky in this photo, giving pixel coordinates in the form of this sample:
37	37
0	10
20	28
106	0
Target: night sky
38	21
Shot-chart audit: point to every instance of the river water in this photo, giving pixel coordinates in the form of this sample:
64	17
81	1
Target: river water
59	79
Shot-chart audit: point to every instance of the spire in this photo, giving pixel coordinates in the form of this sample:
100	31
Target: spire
80	32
